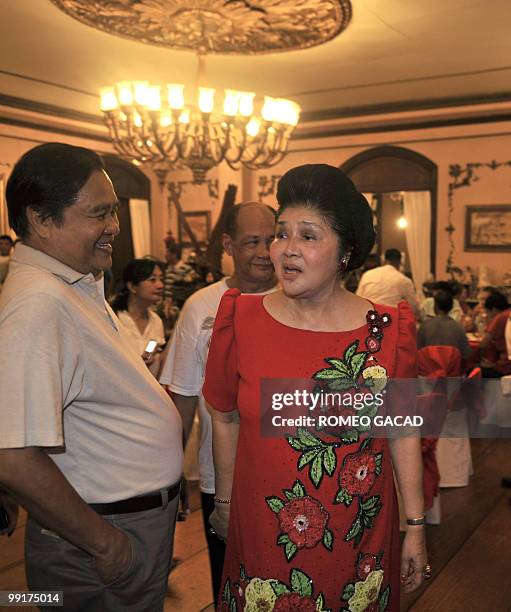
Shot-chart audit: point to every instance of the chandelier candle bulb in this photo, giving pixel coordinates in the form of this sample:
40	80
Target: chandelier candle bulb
176	96
108	99
246	103
140	92
231	102
184	117
153	98
253	127
137	120
124	93
206	99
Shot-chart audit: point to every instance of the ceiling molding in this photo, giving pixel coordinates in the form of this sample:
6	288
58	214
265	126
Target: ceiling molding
32	79
401	107
399	142
417	79
410	125
49	109
54	129
302	132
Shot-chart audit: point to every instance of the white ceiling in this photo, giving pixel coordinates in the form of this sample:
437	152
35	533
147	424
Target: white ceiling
394	51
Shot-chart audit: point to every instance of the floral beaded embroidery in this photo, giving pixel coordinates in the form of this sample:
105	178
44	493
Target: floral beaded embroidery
256	594
366	592
348	372
302	521
356	478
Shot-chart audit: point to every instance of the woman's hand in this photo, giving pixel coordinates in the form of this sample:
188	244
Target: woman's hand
219	520
414	559
153	360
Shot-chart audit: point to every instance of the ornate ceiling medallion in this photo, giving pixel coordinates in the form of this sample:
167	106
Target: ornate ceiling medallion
216	26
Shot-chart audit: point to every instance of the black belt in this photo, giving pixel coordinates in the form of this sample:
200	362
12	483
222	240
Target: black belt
138	504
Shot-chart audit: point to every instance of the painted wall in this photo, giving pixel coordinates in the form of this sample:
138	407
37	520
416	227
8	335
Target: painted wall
477	143
15	141
445	146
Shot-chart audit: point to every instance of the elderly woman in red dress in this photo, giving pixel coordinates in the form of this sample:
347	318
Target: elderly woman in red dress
312	514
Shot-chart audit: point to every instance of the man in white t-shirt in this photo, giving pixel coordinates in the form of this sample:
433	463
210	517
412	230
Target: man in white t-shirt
387	285
250	230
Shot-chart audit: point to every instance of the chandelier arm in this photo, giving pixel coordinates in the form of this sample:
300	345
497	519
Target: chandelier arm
221	141
134	138
233	165
148	137
157	136
217	141
205	142
260	148
111	123
239	146
171	141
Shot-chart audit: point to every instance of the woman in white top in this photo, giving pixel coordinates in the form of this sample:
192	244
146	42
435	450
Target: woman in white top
142	288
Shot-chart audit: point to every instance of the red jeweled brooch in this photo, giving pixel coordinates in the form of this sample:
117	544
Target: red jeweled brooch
375	325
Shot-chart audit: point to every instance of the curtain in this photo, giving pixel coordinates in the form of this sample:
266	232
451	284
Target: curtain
5	228
369	198
140	227
417	210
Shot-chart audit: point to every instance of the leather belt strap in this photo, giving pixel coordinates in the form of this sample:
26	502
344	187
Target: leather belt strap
138	504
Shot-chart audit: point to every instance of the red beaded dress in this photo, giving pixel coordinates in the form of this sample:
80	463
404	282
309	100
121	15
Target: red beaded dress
314	518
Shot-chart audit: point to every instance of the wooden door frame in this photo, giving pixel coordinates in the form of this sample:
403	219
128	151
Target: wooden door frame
428	181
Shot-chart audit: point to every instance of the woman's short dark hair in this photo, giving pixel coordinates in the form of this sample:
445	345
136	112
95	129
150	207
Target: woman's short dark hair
328	191
136	271
48	179
496	300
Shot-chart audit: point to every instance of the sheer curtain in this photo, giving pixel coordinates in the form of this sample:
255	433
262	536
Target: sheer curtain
5	228
140	227
417	210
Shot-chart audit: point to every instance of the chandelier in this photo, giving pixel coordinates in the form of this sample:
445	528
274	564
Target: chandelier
168	125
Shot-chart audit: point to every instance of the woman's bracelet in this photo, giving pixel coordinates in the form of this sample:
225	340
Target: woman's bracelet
416	521
219	500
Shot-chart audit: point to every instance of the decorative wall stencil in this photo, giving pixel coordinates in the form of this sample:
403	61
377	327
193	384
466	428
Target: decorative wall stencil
216	26
463	176
267	184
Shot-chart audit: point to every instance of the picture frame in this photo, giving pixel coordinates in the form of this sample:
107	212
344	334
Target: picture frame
199	222
488	228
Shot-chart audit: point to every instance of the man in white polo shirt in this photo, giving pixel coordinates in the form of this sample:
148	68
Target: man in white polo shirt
250	229
387	285
90	444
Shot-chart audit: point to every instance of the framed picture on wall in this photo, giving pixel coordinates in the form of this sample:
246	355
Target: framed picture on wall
199	221
488	228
